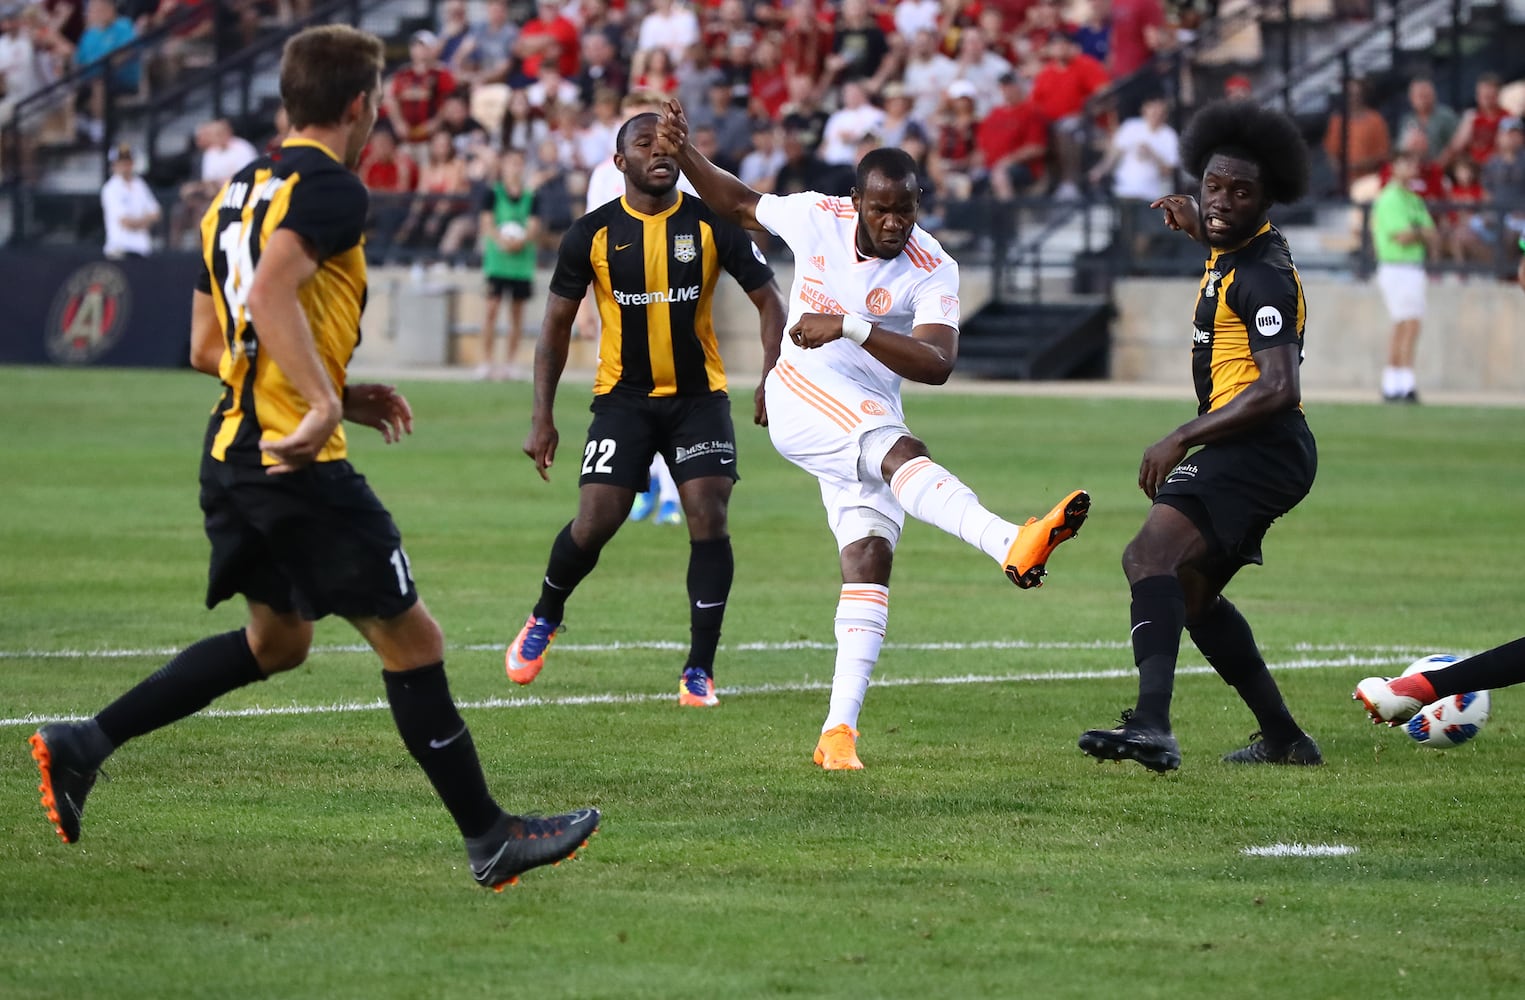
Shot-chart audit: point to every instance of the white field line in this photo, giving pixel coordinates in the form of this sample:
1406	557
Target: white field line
743	647
882	680
1299	851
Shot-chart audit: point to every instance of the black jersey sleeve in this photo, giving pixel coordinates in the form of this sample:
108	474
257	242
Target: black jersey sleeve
204	278
740	256
328	210
1265	298
574	261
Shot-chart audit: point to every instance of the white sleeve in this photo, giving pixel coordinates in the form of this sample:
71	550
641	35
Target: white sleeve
936	298
787	216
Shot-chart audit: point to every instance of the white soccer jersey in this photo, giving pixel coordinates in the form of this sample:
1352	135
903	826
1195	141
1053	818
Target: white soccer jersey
919	286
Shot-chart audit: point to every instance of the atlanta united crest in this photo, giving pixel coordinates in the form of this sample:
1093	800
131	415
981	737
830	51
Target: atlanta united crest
88	314
683	248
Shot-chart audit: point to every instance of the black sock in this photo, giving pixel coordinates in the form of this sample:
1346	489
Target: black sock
566	569
711	567
190	682
1225	639
1498	667
437	737
1158	613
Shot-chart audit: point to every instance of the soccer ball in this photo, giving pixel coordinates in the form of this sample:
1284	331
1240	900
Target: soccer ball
511	230
1452	720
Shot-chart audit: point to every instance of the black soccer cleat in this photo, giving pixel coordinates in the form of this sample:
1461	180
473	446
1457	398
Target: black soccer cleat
1154	748
1301	752
66	776
518	843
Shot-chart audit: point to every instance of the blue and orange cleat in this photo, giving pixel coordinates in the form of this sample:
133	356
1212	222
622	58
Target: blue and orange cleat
526	655
697	689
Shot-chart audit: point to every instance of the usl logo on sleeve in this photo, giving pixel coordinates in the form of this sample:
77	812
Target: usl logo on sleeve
1268	321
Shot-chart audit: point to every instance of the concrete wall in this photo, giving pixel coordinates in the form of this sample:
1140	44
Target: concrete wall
1472	338
406	325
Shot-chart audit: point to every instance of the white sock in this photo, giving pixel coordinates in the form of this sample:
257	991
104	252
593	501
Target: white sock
1390	382
667	490
931	493
1406	381
863	613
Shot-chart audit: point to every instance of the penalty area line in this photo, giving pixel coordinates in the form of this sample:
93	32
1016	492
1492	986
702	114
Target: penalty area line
795	687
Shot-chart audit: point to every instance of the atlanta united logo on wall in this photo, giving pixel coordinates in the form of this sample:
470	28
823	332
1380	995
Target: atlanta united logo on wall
88	314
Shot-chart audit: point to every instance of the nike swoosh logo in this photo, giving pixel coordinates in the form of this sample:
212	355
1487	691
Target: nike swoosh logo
553	586
478	872
708	604
727	461
441	744
622	246
1137	627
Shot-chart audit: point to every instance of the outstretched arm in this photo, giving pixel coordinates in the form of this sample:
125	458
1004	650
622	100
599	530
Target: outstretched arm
719	189
1181	214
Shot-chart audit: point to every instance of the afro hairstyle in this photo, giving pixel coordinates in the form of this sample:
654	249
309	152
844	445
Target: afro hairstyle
1261	135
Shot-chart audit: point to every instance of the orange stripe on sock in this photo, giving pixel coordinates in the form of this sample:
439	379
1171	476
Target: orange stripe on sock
817	397
905	472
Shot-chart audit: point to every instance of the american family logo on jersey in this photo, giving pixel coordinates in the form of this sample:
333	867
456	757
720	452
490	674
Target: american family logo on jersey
704	448
683	248
814	295
1268	321
687	294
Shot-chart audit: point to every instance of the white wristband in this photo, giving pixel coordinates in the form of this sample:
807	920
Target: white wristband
856	329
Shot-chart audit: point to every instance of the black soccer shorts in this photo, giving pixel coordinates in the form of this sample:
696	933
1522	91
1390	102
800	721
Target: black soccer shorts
1233	490
316	541
693	433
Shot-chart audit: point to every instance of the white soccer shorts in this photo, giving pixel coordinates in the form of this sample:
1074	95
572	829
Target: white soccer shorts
818	419
1403	290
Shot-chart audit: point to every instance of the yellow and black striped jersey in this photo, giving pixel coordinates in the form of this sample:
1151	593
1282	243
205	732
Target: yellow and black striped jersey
1250	299
653	280
306	189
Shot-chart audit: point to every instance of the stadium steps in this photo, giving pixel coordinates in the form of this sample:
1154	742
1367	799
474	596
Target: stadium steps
1036	341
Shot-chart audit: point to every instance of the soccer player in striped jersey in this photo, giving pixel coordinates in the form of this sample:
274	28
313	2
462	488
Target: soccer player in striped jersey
294	528
874	301
653	257
1255	458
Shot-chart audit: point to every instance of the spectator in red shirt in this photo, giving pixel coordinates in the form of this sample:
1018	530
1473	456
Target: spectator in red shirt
1067	80
770	85
391	174
958	151
548	27
1138	32
417	91
1479	128
653	70
807	38
727	27
1013	141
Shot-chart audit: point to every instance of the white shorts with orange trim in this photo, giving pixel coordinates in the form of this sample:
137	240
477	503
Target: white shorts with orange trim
818	419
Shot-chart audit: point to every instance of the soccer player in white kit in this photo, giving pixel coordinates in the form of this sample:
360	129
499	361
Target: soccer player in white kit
874	301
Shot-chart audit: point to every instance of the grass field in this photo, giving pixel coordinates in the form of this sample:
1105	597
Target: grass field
284	845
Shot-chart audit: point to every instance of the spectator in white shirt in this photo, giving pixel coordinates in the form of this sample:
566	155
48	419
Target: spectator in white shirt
983	68
848	125
130	209
223	154
671	26
1142	160
928	74
912	16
